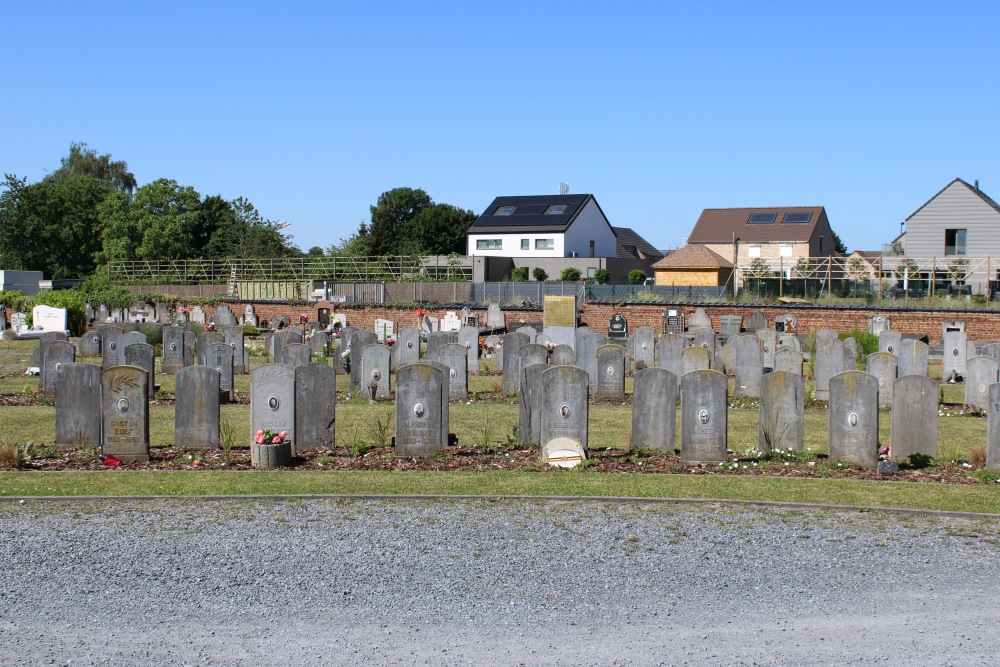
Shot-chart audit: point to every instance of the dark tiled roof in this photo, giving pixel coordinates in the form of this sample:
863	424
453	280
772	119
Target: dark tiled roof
982	195
868	254
633	246
529	214
718	225
693	256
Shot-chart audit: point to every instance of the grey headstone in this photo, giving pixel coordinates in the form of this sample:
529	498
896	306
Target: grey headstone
249	317
360	339
315	406
654	409
788	360
89	344
827	333
730	325
220	357
374	367
543	339
850	353
296	354
409	346
420	417
125	413
435	340
829	362
196	411
78	410
173	349
143	355
980	373
702	337
991	350
565	407
914	417
191	340
853	427
531	404
993	429
781	423
610	374
204	340
272	400
453	356
234	339
468	338
668	353
644	348
586	355
189	356
88	316
295	335
319	343
789	341
877	324
618	326
756	321
883	365
694	359
746	359
888	341
112	353
197	315
563	355
57	353
102	314
768	341
913	355
955	354
162	315
704	418
494	317
445	391
699	319
530	332
512	344
223	317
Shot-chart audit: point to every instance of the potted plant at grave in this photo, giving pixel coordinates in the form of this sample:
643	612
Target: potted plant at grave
346	360
270	449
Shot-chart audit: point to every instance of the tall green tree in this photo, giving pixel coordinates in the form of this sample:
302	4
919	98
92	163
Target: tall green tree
84	161
390	214
161	222
244	233
52	226
440	229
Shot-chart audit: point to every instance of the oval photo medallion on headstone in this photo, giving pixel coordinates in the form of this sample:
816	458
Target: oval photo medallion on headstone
611	371
114	346
452	372
173	346
703	416
644	346
376	374
852	419
564	411
409	344
954	351
888	348
418	409
881	382
982	387
272	402
123	405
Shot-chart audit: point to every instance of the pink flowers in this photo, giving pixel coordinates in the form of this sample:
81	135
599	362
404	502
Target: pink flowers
267	436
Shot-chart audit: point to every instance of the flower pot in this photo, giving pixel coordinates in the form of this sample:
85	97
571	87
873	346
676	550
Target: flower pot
269	455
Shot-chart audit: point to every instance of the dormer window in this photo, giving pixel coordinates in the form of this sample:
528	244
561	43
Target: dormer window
555	209
762	218
505	210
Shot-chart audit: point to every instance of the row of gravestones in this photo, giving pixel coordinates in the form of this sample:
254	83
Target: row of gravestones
160	313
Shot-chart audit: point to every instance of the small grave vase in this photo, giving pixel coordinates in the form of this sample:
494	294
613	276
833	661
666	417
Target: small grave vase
271	455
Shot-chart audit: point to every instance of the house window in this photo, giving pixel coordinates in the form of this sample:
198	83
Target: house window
591	247
785	250
489	244
796	217
753	251
525	244
762	218
545	244
555	209
591	272
954	242
821	245
504	210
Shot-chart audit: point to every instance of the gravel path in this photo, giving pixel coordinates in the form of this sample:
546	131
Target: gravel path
357	582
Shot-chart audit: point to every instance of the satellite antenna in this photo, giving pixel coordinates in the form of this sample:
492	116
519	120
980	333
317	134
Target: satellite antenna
564	188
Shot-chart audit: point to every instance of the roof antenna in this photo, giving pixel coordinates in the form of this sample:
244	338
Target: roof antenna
564	188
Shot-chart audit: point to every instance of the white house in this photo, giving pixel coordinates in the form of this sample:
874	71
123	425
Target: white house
543	226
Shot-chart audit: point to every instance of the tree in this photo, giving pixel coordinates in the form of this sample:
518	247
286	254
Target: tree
636	277
390	214
358	244
52	226
538	273
168	217
315	251
569	275
838	245
439	229
84	161
519	274
602	276
245	233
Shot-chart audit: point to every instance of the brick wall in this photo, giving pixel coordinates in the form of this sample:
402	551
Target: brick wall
980	324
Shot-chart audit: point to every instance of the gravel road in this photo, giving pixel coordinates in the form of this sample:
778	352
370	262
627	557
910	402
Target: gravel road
460	582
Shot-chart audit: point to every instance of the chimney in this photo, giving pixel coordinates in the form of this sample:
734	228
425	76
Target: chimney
977	184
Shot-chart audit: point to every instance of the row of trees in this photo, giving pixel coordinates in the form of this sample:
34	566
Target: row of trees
572	275
89	212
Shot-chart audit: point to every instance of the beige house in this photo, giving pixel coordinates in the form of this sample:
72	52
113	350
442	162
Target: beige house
692	265
778	235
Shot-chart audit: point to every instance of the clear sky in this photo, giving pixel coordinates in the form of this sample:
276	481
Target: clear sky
659	109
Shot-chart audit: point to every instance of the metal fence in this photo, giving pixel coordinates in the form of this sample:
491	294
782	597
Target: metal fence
654	293
227	271
526	294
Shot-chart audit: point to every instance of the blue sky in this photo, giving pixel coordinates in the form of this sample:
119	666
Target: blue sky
659	109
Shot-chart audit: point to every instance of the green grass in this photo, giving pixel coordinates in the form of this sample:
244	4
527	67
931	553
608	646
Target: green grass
970	498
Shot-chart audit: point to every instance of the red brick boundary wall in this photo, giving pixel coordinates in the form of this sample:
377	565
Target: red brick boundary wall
980	324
